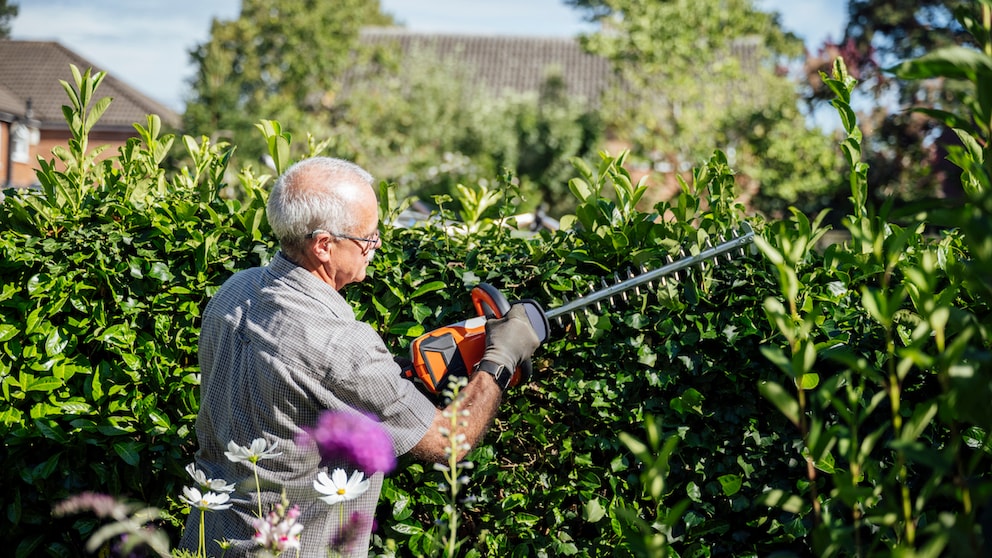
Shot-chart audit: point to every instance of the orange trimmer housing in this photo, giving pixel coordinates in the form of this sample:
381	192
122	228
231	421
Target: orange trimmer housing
454	350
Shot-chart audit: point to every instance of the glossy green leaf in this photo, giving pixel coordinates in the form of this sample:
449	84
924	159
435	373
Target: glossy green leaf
130	452
783	401
55	343
731	484
7	332
593	511
43	384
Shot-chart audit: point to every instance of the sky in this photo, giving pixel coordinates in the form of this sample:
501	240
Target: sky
146	43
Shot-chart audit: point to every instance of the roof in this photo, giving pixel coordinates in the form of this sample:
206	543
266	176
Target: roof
31	70
9	102
508	63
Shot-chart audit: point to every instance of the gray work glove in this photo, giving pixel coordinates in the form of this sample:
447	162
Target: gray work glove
510	341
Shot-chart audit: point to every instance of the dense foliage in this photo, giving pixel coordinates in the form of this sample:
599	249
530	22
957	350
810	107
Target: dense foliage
105	271
798	401
554	477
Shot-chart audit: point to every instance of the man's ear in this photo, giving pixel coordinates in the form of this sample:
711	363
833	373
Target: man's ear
323	249
319	250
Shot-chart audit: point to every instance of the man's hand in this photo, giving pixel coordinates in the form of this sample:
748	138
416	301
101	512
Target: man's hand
510	340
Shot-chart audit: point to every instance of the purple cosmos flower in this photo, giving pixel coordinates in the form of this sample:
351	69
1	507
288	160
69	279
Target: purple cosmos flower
358	439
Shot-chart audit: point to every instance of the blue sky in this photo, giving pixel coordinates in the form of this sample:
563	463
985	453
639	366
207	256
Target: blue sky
146	42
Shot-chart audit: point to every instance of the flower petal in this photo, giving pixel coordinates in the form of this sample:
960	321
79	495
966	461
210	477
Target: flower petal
340	478
323	484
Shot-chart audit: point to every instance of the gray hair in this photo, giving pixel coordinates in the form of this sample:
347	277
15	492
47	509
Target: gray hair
308	197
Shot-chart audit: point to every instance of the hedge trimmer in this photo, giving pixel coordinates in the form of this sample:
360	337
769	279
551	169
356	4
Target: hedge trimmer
454	350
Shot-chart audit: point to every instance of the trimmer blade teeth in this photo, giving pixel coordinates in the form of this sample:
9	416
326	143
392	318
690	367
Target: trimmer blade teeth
630	275
598	306
664	279
735	234
605	285
623	294
702	263
639	279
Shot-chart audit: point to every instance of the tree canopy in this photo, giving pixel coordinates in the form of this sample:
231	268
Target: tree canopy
417	121
7	13
879	34
705	74
280	60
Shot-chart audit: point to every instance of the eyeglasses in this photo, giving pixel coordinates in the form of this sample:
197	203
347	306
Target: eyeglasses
370	242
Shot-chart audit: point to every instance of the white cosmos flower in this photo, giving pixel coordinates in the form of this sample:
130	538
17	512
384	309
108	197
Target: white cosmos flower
258	450
205	501
213	485
338	487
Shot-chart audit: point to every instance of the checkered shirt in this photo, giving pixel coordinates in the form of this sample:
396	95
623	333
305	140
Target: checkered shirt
277	347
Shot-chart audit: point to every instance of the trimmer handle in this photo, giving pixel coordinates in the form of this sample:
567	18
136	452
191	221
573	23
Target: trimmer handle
490	302
454	350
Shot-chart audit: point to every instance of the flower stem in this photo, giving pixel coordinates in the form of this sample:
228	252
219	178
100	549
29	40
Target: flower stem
202	550
258	487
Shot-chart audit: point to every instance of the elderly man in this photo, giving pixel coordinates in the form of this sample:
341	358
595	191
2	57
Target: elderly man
279	346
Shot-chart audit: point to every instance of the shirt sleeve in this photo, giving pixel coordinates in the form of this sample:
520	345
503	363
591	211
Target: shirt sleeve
374	384
328	360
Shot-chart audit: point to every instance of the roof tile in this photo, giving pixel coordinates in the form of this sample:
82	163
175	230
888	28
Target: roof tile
508	63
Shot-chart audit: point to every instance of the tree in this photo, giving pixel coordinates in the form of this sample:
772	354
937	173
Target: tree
280	60
7	13
697	74
906	151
